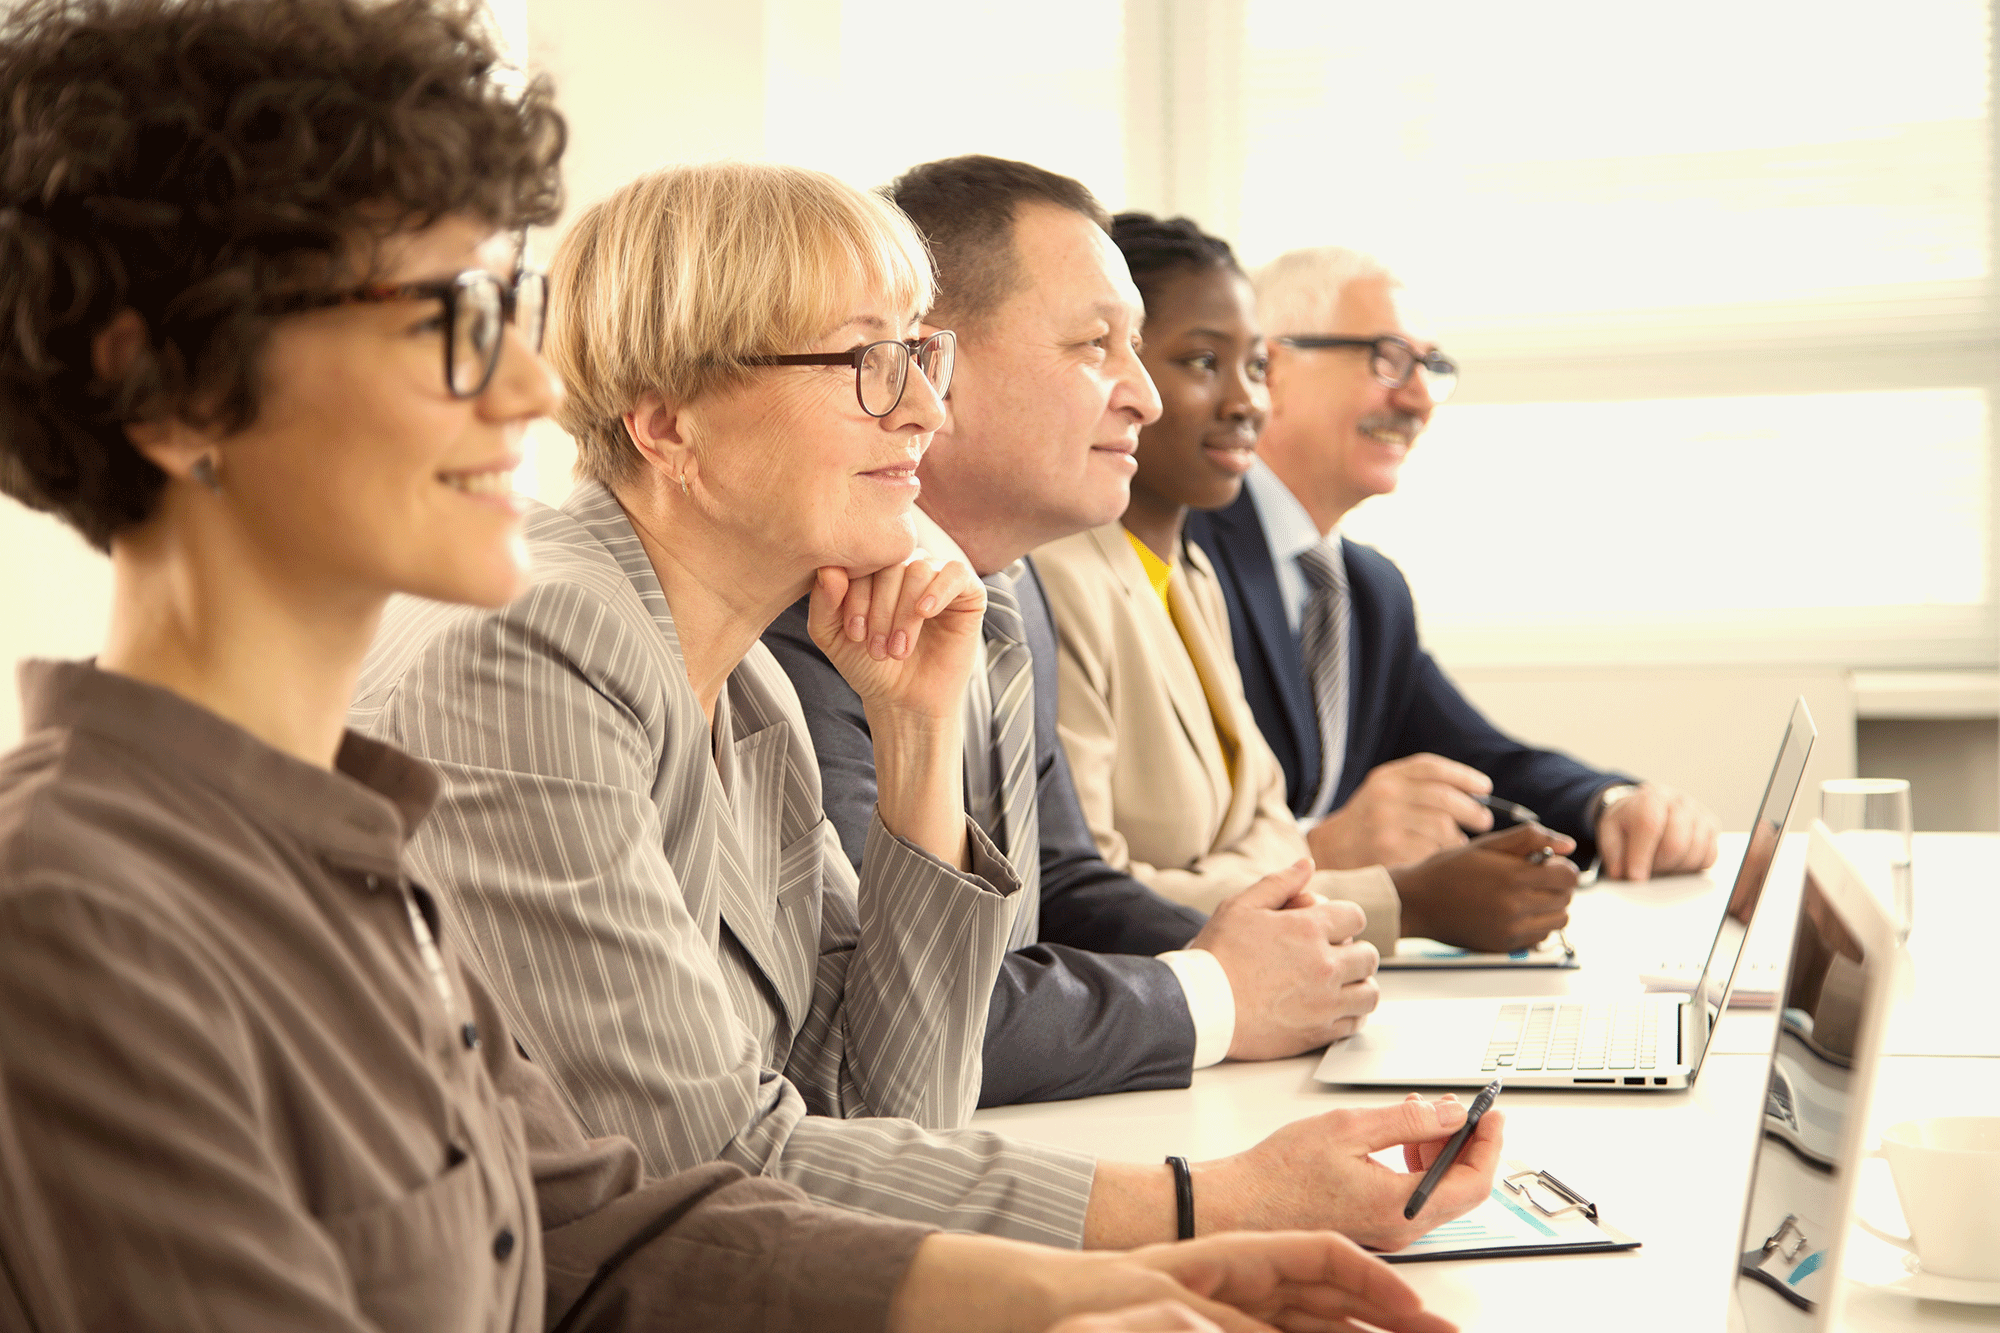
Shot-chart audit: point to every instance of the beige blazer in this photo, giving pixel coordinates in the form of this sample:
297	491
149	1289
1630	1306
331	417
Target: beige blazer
1160	799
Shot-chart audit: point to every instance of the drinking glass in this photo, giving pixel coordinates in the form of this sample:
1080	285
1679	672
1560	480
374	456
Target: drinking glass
1870	819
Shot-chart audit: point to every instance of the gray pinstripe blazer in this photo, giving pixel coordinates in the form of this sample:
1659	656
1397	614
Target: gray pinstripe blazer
673	925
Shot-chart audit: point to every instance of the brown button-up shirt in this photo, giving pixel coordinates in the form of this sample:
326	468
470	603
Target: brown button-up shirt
249	1085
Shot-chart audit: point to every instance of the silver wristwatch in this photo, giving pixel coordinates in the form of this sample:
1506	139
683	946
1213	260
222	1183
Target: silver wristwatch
1611	796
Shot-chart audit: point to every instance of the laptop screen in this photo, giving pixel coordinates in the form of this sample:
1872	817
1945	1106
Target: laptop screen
1801	1174
1765	830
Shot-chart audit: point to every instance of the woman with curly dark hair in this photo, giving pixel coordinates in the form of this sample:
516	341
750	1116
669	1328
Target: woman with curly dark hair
271	344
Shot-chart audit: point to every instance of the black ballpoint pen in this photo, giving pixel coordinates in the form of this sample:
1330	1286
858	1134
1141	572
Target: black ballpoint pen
1520	814
1451	1150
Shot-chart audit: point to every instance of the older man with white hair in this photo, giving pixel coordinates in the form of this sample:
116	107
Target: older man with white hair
1382	754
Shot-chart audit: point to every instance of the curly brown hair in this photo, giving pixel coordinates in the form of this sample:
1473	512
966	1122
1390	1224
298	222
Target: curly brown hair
196	161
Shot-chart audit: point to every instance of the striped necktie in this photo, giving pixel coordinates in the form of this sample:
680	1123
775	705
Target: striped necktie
1323	645
1010	745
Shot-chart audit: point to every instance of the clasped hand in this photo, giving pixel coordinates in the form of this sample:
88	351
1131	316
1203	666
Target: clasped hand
1299	976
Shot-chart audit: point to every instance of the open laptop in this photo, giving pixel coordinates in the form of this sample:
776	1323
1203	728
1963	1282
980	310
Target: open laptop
1649	1042
1836	999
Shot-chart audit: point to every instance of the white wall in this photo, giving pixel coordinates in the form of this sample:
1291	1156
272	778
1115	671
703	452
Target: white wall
54	599
642	81
1712	731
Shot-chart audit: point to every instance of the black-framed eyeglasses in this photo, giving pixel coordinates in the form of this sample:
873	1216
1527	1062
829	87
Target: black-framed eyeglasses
882	369
478	304
1391	360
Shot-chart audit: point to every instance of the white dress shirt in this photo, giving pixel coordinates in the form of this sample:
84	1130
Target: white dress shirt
1210	1001
1289	531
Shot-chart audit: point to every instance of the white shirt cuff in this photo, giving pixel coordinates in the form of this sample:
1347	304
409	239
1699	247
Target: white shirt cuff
1210	1001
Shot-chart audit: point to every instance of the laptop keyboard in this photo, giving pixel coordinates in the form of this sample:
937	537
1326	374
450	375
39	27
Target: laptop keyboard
1586	1035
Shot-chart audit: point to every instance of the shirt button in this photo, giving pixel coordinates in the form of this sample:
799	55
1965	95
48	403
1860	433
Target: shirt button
503	1244
470	1033
373	882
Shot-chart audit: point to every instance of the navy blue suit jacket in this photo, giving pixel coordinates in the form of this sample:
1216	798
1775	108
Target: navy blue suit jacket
1400	701
1087	1009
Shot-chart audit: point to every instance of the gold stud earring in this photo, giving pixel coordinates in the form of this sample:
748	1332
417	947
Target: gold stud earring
204	471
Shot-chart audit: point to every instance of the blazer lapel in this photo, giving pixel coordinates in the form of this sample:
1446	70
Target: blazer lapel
767	890
1170	655
1242	550
727	851
1212	661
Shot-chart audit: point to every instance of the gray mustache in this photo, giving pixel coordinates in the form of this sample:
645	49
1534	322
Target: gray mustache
1402	421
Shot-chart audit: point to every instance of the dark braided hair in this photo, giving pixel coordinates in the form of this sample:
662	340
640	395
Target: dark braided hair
198	161
1154	249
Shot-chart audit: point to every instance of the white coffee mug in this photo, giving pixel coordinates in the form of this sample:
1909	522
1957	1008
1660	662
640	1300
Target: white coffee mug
1947	1173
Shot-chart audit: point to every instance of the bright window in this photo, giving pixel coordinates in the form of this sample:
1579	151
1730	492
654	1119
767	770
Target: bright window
1719	275
1037	80
1861	500
1559	156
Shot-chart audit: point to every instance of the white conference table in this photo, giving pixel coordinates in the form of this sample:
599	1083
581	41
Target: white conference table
1668	1168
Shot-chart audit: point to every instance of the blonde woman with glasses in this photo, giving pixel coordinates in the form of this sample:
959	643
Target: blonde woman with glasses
631	827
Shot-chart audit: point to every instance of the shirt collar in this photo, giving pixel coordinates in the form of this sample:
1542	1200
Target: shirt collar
1288	528
938	544
360	812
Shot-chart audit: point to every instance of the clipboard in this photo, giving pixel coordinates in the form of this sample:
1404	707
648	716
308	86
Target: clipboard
1529	1212
1414	954
1789	1263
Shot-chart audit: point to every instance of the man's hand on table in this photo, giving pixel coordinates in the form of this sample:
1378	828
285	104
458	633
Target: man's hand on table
1491	895
1403	811
1655	830
1299	977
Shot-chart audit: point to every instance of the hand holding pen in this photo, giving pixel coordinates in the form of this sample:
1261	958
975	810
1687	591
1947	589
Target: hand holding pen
1513	810
1539	857
1449	1155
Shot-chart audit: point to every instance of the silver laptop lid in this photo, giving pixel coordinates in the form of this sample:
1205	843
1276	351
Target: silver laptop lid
1809	1145
1712	991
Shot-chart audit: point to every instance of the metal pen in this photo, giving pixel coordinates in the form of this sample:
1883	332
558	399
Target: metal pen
1539	857
1515	811
1451	1150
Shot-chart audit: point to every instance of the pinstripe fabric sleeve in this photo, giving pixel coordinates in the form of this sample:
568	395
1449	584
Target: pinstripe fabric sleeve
636	987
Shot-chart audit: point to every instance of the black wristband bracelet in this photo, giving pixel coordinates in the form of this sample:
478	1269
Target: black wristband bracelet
1183	1196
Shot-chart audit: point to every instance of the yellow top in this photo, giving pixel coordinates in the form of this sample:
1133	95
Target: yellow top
1161	575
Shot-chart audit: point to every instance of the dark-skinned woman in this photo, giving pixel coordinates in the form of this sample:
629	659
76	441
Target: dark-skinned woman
1176	781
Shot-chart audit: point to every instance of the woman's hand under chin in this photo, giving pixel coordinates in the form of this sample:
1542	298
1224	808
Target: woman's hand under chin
903	636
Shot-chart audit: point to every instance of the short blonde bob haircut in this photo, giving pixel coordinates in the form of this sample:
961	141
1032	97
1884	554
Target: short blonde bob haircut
668	285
